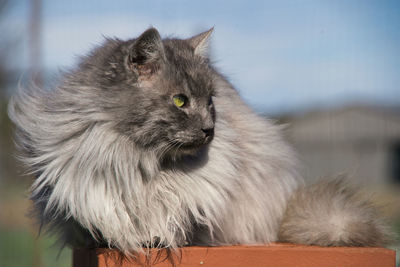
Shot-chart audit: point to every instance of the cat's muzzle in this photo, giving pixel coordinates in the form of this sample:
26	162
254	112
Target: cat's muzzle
209	135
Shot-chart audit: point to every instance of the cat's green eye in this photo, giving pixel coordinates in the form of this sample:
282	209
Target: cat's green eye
180	100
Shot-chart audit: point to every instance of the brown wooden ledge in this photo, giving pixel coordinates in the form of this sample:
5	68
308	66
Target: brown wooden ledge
272	255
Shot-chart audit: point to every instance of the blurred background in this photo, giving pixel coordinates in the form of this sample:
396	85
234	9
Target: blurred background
330	70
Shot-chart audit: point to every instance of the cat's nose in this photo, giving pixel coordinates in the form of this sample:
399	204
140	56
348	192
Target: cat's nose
208	131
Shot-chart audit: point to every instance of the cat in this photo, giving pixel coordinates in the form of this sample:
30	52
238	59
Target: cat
146	144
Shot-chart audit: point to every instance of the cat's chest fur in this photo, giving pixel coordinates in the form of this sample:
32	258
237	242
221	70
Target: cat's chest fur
234	175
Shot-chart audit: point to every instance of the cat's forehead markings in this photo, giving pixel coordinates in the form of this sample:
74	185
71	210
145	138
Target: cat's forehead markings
196	87
188	71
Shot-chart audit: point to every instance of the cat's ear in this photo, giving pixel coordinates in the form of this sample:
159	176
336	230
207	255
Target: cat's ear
200	42
147	52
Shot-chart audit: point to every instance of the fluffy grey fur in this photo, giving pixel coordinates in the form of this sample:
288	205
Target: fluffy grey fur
332	213
118	164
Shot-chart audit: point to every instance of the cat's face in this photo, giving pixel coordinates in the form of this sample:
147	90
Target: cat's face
167	100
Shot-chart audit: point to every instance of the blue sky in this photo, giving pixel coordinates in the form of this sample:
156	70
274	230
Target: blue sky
281	55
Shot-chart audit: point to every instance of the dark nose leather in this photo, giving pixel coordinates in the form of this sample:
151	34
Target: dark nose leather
208	132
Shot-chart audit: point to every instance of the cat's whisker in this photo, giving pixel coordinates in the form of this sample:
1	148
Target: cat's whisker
167	147
177	150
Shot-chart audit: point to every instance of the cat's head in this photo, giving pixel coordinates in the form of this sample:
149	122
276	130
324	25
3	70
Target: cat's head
161	91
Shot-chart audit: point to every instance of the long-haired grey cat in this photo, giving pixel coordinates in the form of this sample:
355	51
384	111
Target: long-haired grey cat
146	144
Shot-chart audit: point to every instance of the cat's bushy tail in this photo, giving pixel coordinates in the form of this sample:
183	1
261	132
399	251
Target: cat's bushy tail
332	213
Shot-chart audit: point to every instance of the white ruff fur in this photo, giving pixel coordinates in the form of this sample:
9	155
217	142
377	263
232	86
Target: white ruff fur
239	189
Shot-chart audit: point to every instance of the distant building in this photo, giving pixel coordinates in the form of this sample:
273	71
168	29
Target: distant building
363	142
